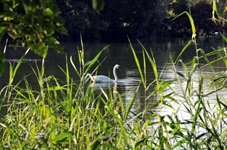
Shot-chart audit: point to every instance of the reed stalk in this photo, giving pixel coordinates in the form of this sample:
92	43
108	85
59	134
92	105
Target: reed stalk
64	114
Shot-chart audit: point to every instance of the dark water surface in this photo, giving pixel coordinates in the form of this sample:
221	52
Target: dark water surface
116	53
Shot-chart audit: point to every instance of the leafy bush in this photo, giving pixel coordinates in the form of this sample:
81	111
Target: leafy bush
32	24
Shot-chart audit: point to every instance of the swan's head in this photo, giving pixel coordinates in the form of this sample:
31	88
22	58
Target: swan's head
117	66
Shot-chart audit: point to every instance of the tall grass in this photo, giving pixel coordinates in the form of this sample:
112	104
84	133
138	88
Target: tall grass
64	114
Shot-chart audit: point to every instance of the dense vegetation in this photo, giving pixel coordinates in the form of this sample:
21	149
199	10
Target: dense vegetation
64	114
138	19
31	24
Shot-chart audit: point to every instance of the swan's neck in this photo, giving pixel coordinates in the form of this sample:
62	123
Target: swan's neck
115	74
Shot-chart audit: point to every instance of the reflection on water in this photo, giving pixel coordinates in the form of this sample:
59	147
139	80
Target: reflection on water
184	96
129	78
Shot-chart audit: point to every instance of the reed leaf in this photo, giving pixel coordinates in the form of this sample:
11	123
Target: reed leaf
153	65
74	66
214	11
61	136
223	37
137	64
183	50
129	105
69	115
13	70
193	28
207	60
89	64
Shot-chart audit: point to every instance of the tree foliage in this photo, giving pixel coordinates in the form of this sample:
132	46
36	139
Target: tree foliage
202	12
117	18
32	24
80	18
130	17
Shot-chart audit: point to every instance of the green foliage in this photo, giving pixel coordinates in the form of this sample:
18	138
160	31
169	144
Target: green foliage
32	24
98	5
96	18
206	16
178	6
63	114
131	17
101	18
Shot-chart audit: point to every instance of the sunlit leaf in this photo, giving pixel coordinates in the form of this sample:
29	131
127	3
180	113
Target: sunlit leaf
40	49
48	12
137	63
141	142
49	31
2	31
31	24
98	5
61	136
224	37
58	47
179	143
51	40
95	59
214	11
225	9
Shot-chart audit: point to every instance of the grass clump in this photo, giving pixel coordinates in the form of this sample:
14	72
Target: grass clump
64	114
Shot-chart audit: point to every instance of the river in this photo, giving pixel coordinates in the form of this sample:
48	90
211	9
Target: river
116	53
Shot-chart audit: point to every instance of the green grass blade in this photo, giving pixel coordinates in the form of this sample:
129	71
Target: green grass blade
130	104
223	37
151	60
61	136
13	70
183	50
153	65
191	22
95	59
137	64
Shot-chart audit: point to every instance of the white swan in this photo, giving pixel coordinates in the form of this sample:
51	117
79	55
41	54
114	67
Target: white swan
105	79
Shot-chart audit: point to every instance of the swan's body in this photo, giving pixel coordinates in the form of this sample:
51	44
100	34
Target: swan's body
105	79
102	79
